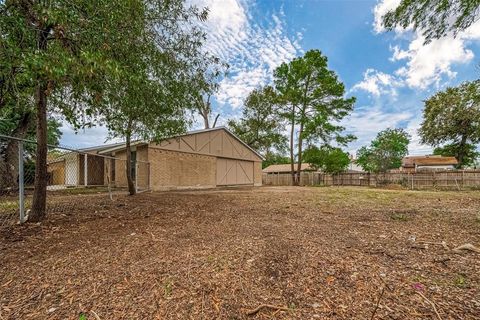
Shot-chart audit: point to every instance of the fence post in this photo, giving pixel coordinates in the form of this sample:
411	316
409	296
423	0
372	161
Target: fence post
21	182
85	170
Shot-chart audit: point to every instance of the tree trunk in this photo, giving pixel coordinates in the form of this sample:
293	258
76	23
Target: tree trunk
292	158
461	151
131	186
205	119
39	203
299	162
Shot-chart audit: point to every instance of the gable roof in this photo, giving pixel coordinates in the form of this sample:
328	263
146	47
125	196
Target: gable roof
287	168
142	142
430	160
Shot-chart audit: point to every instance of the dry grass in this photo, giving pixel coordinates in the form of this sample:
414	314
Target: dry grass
325	253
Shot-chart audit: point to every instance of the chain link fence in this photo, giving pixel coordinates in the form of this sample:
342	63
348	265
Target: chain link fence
71	174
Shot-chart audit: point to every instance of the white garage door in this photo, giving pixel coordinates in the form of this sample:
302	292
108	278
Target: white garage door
234	172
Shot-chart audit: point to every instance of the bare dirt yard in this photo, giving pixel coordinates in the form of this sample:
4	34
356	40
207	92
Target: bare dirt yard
311	253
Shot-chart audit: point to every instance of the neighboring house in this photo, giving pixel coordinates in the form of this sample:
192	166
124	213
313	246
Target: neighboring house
430	162
286	168
353	167
199	159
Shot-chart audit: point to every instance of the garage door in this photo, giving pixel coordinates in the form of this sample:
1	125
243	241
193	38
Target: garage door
234	172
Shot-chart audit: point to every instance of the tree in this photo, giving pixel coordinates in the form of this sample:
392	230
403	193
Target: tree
453	116
434	18
149	101
327	158
470	153
385	151
57	53
207	81
260	124
313	103
67	56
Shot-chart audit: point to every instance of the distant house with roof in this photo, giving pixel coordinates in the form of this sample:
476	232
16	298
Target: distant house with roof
286	168
428	162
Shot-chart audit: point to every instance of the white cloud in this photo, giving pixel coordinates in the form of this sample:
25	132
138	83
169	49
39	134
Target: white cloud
382	7
378	83
253	49
427	64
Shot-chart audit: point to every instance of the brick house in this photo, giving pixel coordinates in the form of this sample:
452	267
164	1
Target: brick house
198	159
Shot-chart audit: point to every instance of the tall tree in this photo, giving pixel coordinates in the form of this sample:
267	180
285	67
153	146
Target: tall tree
159	60
433	18
63	54
260	124
385	151
328	159
453	116
313	100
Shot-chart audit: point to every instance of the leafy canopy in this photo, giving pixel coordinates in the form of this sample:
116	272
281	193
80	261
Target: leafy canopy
452	116
385	152
327	158
312	102
433	18
260	125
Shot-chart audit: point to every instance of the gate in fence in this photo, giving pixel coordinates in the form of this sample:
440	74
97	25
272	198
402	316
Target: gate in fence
70	173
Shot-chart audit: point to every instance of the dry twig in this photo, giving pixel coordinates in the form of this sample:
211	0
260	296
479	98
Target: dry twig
266	306
378	303
95	315
431	303
466	246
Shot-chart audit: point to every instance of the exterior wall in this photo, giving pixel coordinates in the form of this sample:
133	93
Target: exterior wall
172	170
56	171
121	166
217	143
257	173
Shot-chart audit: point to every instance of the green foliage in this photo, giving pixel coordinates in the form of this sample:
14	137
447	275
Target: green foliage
452	116
385	151
312	100
470	153
260	124
433	18
328	159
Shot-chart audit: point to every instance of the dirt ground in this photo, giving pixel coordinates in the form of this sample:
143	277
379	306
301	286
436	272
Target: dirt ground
313	253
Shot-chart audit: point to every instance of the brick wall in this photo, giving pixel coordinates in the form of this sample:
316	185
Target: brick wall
172	170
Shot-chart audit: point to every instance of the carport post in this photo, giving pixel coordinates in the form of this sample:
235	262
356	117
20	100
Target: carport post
85	170
21	184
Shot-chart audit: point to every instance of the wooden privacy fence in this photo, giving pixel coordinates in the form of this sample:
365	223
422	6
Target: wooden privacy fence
451	179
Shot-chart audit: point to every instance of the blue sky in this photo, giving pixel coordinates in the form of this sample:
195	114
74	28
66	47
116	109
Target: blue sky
390	73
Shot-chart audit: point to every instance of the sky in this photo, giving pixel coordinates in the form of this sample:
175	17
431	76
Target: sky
390	73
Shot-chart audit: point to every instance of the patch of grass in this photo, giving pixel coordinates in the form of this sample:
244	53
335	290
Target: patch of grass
9	205
397	216
167	288
460	281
